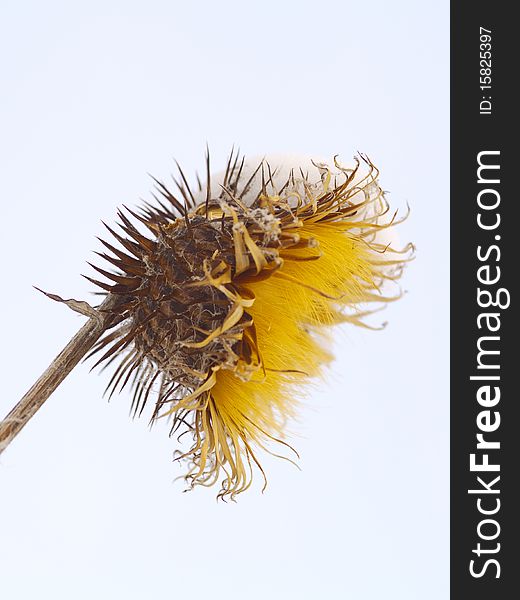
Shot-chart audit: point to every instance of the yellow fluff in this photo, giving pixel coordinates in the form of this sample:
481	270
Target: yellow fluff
333	268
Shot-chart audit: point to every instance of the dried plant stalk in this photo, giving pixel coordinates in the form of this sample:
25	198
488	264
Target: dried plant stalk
58	370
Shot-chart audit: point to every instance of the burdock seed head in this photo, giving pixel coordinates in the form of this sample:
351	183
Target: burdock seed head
218	300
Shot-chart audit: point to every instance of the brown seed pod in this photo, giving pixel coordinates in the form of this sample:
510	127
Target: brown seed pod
220	296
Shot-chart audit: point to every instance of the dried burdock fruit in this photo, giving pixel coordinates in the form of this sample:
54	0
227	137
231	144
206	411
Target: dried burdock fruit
218	301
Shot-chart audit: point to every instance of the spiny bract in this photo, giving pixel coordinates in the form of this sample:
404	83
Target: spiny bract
221	309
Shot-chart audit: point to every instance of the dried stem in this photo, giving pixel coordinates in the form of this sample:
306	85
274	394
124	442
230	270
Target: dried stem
55	373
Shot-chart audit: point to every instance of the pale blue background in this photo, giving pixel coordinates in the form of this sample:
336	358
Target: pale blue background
94	96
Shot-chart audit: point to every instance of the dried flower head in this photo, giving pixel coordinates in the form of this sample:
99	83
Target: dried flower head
220	309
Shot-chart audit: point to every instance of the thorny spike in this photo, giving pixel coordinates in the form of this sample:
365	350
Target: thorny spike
208	181
247	186
228	166
129	282
191	203
234	185
125	258
199	182
164	191
132	247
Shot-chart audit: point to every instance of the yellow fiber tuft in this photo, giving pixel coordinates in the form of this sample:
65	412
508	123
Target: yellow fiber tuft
226	311
333	269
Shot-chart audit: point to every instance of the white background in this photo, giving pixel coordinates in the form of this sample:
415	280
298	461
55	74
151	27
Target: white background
94	96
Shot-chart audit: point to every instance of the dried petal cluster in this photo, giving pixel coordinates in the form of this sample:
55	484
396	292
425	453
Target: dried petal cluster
221	304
